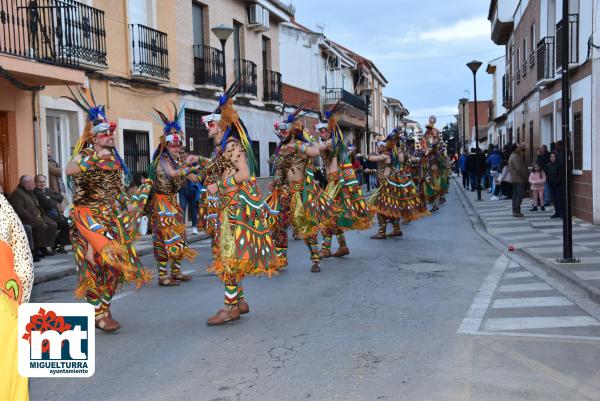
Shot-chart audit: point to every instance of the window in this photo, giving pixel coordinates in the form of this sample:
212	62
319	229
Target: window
578	141
136	145
518	135
237	45
198	23
256	151
531	141
532	38
525	49
266	53
140	12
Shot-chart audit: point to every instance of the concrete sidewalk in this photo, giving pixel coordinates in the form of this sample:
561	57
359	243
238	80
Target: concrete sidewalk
53	267
540	237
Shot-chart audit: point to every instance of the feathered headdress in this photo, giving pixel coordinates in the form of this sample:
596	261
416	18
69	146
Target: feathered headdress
96	122
171	124
291	123
229	121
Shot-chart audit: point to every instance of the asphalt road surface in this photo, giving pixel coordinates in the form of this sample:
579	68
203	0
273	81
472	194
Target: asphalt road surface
440	314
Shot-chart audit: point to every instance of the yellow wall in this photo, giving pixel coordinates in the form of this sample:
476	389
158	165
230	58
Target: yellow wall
20	127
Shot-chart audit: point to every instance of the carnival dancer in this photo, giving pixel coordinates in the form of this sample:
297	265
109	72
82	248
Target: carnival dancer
242	245
430	164
342	187
103	218
295	194
168	225
397	196
16	281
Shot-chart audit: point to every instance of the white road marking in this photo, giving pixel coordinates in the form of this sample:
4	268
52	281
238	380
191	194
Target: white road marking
524	287
588	275
472	321
527	236
518	274
530	302
526	323
510	230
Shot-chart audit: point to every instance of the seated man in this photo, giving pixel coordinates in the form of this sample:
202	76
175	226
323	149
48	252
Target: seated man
26	205
49	202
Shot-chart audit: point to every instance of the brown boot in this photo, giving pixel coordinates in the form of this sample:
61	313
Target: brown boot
342	251
316	266
325	253
379	235
396	233
181	277
167	282
107	324
224	315
243	306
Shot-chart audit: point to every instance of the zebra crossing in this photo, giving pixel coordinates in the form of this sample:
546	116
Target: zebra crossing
539	236
514	302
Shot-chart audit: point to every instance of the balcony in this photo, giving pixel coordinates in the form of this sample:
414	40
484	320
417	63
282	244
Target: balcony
64	33
272	87
573	26
208	67
501	27
545	60
532	58
524	67
332	95
149	54
351	109
245	72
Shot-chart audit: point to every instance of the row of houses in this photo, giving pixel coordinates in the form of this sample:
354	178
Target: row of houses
140	54
526	104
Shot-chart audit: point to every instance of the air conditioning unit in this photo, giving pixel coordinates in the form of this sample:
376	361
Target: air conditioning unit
255	15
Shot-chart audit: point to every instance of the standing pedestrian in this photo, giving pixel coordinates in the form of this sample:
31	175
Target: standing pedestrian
542	160
472	169
519	177
554	179
537	179
462	165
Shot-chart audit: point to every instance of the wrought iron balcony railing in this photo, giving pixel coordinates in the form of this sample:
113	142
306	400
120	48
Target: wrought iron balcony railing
532	58
208	66
62	32
272	87
332	95
573	26
545	59
149	53
245	72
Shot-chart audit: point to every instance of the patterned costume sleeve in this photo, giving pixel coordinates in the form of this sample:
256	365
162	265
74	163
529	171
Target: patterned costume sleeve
13	234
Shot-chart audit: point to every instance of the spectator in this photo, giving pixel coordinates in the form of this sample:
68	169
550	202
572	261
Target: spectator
503	183
554	179
25	203
49	202
472	169
537	179
542	160
55	172
519	177
462	165
493	162
358	169
481	157
189	196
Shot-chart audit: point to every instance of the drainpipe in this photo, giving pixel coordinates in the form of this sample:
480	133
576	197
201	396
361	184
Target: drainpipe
36	134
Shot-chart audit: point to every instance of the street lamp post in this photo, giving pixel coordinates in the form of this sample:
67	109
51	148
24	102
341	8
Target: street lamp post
463	101
567	207
474	66
222	32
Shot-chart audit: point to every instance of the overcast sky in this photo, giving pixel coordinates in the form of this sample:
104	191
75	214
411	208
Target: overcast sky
420	46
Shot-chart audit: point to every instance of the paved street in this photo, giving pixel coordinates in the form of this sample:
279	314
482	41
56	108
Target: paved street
440	314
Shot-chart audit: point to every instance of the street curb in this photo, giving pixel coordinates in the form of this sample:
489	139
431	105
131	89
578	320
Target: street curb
546	265
42	277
